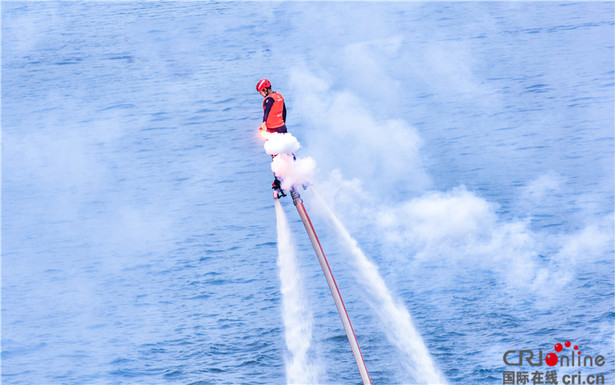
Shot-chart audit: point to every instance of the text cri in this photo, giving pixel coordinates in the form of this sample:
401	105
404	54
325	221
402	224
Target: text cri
577	379
515	358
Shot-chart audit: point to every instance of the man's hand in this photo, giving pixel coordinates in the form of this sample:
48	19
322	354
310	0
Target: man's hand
263	127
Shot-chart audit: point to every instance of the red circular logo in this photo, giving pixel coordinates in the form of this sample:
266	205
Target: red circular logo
551	359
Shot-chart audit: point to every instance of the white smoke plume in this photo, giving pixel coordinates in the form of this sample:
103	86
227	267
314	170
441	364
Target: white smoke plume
278	143
290	170
436	235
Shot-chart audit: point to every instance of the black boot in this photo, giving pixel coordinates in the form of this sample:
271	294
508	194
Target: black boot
277	188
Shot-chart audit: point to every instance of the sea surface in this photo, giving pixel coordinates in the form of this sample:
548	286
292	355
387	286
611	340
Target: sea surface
468	147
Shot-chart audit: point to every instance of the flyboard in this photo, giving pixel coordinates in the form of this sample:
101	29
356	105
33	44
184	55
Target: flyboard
335	291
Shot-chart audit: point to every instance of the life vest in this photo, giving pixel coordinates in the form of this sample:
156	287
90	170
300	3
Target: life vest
275	118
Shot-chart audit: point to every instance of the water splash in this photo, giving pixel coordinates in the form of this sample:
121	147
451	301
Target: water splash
297	316
395	318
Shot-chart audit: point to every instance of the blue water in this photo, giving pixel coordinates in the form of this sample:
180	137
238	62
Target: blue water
468	147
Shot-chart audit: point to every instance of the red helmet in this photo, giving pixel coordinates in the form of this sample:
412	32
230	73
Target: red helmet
262	84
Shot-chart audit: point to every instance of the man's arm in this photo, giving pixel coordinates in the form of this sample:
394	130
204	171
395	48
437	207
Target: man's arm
268	104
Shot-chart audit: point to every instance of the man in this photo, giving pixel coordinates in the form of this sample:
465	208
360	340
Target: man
274	119
274	109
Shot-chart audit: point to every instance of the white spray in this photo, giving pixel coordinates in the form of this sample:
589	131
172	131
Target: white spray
295	310
415	358
395	318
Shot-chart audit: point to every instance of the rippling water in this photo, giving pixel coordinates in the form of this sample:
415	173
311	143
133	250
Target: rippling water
472	145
